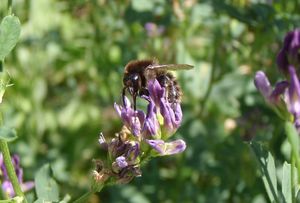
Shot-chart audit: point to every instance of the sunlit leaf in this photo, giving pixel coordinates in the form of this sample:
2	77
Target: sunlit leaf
268	170
287	183
10	29
45	186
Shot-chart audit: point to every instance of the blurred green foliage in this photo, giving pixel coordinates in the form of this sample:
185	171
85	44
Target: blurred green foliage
67	72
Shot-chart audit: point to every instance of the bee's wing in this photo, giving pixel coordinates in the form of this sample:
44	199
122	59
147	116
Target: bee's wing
169	67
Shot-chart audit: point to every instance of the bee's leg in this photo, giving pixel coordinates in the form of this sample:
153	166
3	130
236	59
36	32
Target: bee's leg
143	92
134	101
123	95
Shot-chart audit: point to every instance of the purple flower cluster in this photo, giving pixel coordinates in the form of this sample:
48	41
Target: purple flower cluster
144	135
284	98
6	185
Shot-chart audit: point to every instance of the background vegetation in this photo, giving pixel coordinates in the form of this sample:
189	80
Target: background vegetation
67	72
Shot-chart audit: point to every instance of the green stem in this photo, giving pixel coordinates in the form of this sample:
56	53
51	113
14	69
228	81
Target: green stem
11	170
84	197
9	7
212	77
294	154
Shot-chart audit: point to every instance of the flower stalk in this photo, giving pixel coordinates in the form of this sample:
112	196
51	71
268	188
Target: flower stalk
10	169
84	197
9	7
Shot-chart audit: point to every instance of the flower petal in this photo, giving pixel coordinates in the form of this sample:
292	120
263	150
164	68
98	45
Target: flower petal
293	99
156	92
121	161
262	84
133	120
27	186
167	148
151	125
289	54
280	89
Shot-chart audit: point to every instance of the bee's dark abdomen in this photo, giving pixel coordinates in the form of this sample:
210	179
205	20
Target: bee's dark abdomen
173	91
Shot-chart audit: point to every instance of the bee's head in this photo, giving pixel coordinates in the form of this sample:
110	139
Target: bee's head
133	83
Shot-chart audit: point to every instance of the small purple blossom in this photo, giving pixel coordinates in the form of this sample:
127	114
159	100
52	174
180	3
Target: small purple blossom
153	29
151	125
167	148
171	113
172	116
289	54
7	187
264	87
293	98
133	120
276	98
121	161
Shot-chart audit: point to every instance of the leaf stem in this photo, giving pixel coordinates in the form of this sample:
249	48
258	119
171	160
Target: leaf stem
9	7
10	169
84	197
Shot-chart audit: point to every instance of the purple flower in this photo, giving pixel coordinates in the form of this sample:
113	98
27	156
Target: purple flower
153	30
171	113
151	125
133	120
289	54
264	87
275	98
172	116
141	133
121	161
167	148
6	184
156	92
293	98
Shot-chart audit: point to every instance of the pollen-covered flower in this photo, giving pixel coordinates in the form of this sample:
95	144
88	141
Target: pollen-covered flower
7	187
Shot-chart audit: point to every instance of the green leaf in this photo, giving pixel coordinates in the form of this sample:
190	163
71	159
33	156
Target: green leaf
7	134
10	29
287	182
268	170
45	186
